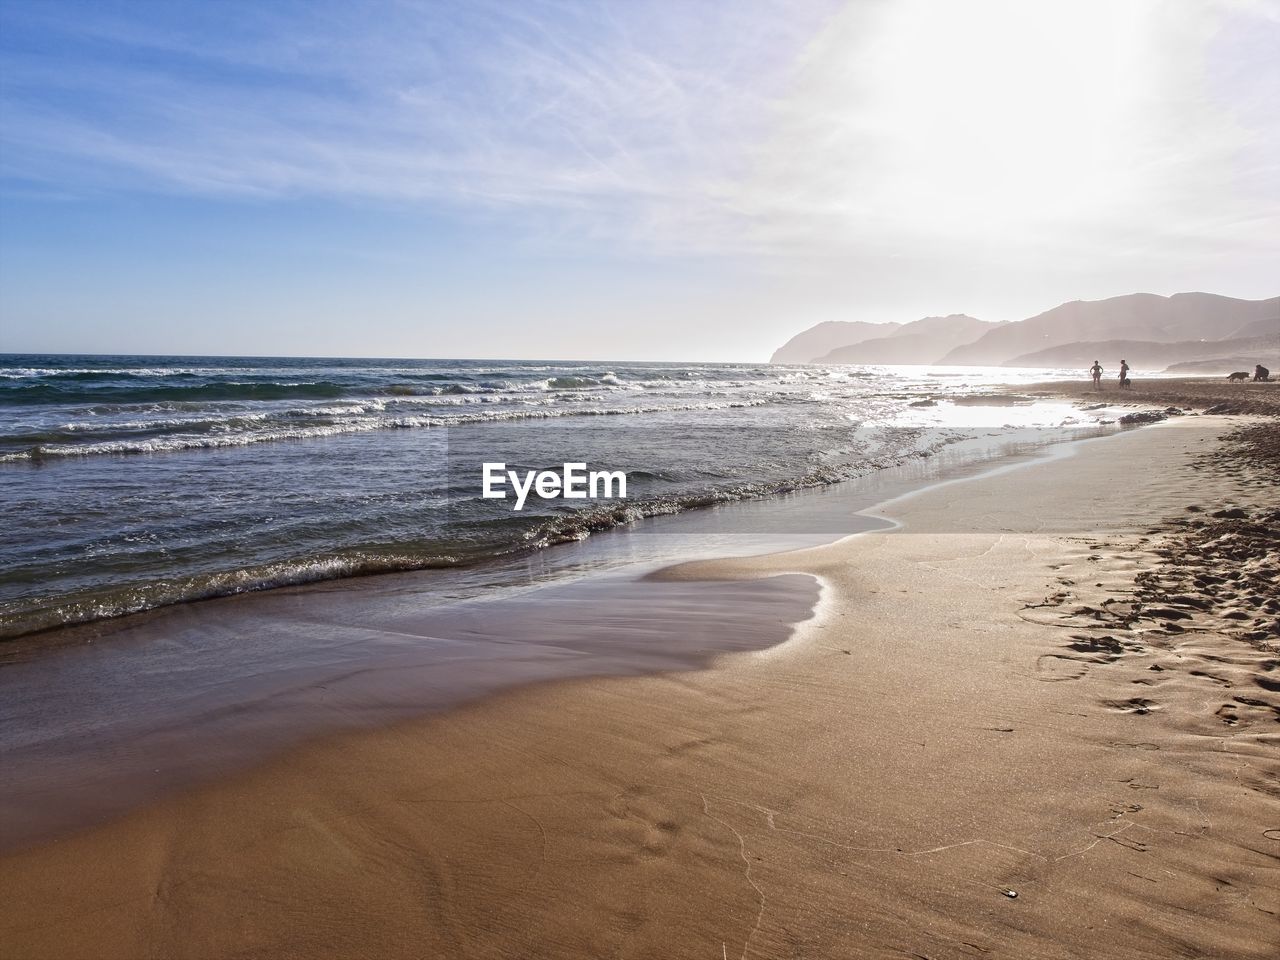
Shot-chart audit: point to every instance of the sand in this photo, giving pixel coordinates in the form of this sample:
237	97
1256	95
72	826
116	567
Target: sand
1001	734
124	712
1198	393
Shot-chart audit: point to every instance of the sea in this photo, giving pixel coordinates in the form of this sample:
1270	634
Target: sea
129	483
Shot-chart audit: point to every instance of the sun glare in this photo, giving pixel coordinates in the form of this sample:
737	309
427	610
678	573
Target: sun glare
998	110
981	117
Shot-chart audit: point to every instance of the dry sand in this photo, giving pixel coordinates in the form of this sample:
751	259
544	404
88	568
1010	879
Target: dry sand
1017	726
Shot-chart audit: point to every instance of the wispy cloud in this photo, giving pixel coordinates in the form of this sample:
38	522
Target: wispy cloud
757	126
594	108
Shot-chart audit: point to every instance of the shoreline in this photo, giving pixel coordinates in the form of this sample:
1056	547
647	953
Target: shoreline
863	788
450	555
335	657
121	601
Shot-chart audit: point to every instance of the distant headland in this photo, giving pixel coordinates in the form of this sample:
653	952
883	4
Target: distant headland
1186	333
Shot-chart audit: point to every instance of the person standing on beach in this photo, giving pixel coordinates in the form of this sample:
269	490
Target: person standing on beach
1096	372
1124	373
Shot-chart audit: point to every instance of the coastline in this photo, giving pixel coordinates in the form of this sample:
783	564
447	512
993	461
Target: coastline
664	481
109	716
384	475
880	783
49	586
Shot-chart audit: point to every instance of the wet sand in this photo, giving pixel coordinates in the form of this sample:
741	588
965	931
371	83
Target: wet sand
104	717
1194	393
126	712
1002	734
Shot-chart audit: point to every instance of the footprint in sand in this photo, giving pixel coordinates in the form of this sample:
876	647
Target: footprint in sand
1105	649
644	826
1258	704
1135	705
1209	676
1105	643
1053	667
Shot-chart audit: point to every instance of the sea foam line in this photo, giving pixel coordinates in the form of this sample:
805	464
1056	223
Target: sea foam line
178	443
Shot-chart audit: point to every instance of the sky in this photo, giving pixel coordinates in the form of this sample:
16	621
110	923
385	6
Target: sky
617	180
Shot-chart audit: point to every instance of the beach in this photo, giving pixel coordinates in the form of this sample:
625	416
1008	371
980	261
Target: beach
553	481
1033	715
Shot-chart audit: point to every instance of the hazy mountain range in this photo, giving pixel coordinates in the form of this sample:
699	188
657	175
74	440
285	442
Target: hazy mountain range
1188	332
932	336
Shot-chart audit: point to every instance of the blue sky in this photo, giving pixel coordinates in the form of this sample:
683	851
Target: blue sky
616	180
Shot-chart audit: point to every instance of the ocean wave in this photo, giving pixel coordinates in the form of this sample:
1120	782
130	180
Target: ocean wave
46	393
18	619
172	444
79	373
448	390
571	383
121	429
271	430
523	534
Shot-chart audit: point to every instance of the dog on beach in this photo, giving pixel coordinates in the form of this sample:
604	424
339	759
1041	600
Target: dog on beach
1239	376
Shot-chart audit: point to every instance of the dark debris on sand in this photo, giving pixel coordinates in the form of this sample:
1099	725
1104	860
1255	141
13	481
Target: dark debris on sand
1210	395
1256	447
1222	573
1149	416
1223	564
1209	605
